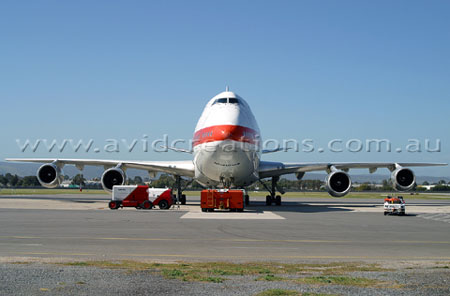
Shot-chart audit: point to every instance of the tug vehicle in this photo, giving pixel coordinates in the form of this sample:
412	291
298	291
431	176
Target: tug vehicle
394	206
222	199
140	197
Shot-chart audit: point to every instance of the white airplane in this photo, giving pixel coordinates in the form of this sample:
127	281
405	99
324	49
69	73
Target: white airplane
226	153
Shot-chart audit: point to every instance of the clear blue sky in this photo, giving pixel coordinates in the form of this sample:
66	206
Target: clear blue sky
309	69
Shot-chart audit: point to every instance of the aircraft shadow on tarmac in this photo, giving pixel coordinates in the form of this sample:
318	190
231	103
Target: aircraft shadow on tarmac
56	197
299	207
296	207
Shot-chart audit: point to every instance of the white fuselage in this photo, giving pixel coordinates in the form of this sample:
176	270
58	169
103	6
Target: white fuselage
226	143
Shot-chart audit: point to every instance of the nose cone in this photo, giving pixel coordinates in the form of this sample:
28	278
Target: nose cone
224	142
227	108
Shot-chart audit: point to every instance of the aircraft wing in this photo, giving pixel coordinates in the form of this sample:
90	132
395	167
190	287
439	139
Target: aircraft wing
182	168
272	169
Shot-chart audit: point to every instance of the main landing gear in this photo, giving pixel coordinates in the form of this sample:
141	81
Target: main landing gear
246	199
181	198
273	198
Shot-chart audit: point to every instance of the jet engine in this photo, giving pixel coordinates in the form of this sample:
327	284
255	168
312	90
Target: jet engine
111	177
403	179
50	175
338	183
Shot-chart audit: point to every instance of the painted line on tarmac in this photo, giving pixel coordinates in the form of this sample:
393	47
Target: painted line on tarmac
265	215
176	239
31	245
214	256
290	257
55	253
442	217
267	247
226	240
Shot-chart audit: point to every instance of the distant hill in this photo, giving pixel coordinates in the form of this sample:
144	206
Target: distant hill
372	178
89	172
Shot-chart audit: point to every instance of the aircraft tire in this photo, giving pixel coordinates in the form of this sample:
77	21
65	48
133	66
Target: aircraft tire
247	200
278	200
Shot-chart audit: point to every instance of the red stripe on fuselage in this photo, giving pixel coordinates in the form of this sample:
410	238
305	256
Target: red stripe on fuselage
225	132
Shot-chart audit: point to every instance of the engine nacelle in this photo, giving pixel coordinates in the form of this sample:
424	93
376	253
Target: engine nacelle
50	175
338	183
403	179
111	177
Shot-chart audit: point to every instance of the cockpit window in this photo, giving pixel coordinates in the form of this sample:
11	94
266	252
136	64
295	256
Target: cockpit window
226	100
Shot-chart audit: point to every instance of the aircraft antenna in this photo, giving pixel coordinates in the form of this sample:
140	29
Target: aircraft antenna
227	88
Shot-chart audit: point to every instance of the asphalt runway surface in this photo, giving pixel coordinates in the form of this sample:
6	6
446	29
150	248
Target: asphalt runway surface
81	227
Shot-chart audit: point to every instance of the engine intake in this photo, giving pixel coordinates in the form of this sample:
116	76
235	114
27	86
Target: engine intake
111	177
338	183
403	179
50	175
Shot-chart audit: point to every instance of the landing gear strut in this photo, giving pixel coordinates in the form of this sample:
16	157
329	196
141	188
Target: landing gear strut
273	198
181	198
246	199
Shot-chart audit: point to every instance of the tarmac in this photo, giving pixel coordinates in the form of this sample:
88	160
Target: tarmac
82	227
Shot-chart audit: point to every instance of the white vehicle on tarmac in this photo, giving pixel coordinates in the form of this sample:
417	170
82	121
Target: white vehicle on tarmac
394	205
140	197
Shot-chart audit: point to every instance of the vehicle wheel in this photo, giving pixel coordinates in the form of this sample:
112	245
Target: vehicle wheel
278	200
113	205
204	210
247	200
146	205
385	213
240	210
183	199
268	200
163	205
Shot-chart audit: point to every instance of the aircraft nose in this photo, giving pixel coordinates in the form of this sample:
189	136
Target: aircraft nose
224	132
237	133
229	132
